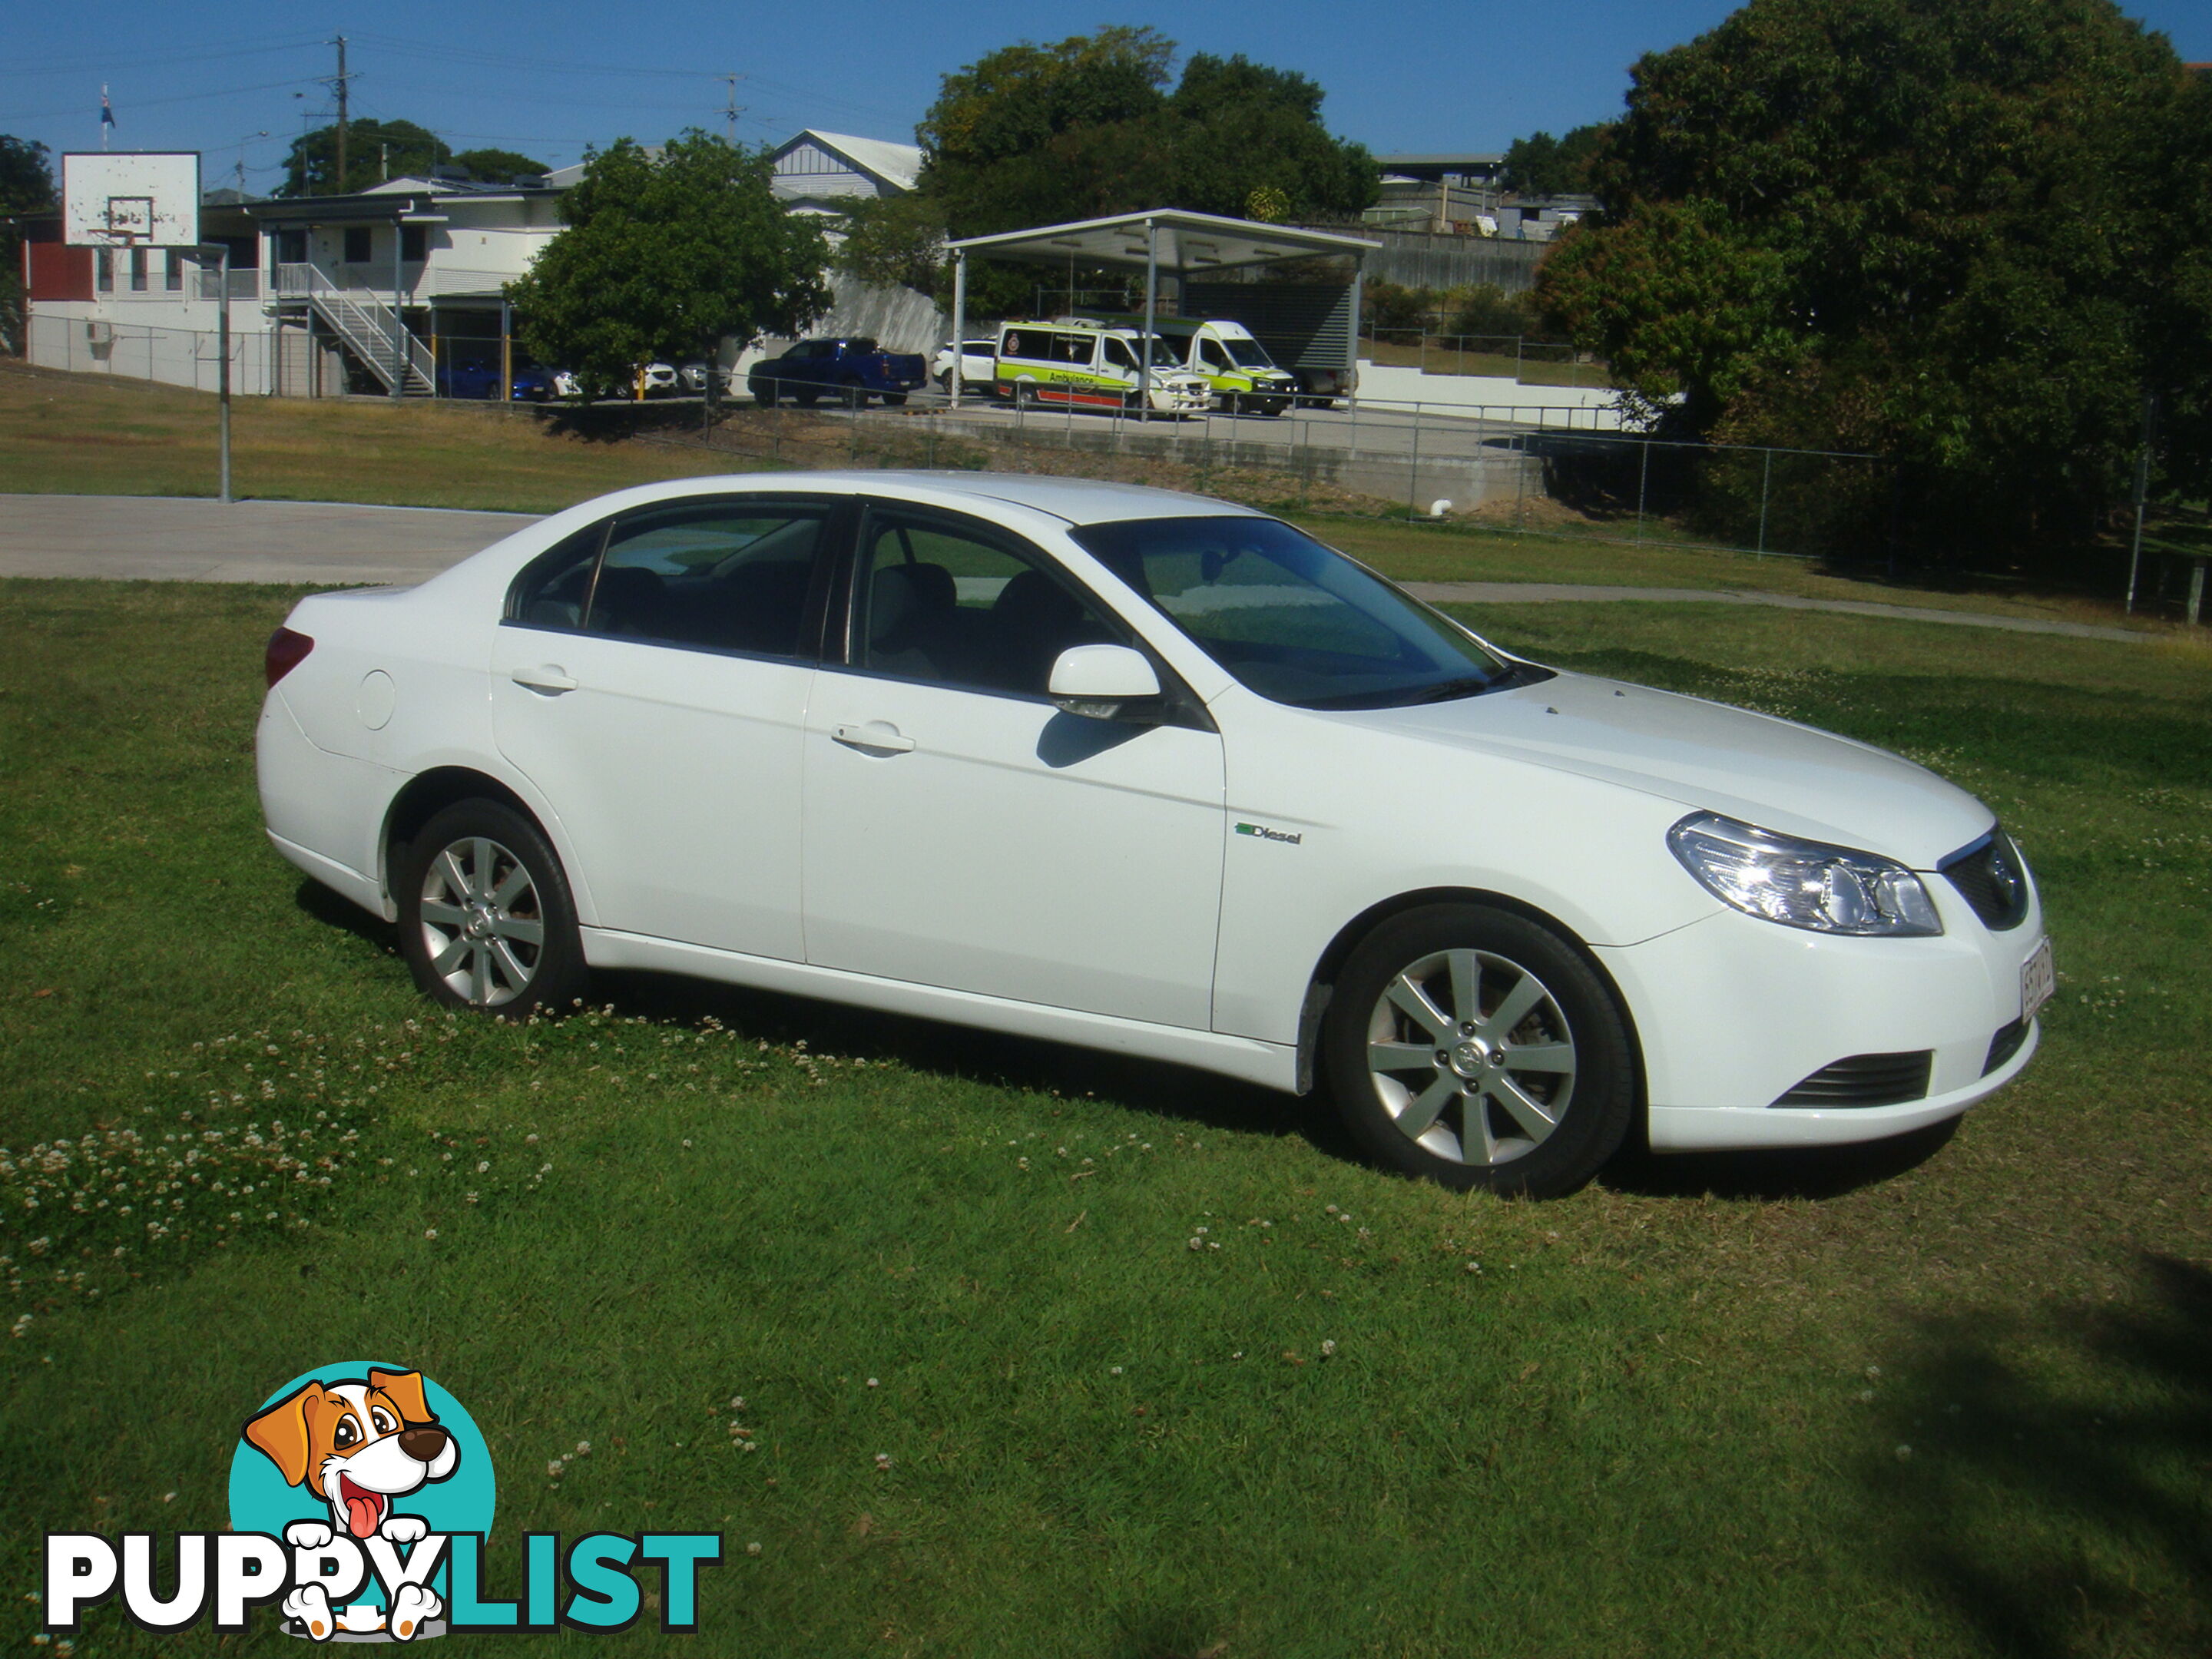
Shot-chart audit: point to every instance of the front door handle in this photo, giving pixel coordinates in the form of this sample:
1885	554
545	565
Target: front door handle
876	737
548	678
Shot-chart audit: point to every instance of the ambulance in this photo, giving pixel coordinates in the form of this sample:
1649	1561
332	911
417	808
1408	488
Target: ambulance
1087	364
1239	374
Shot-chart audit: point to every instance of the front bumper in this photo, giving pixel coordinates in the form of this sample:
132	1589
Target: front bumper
1732	1013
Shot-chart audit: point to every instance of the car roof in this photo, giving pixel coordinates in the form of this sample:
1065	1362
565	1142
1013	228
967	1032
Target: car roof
1079	501
1072	500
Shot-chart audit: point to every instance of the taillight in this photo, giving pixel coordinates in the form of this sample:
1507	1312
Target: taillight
287	651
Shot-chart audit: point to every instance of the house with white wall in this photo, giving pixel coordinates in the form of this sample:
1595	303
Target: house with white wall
371	291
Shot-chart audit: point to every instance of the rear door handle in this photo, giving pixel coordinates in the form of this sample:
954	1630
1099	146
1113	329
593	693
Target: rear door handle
547	677
878	737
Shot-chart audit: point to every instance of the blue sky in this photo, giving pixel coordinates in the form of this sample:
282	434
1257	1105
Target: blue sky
550	76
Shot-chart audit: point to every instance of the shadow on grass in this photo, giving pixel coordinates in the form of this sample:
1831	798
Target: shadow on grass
1815	1172
2057	1491
1204	1098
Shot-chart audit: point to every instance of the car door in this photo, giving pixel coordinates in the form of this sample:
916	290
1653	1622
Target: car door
961	831
651	679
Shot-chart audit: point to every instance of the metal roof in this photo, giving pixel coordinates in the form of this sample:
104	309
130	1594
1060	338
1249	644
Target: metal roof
1188	242
897	165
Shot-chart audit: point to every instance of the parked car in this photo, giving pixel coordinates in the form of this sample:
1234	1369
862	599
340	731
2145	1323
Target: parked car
655	380
531	384
693	377
978	364
1155	775
849	370
471	375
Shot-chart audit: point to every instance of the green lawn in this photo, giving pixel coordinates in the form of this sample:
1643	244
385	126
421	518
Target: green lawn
1669	1415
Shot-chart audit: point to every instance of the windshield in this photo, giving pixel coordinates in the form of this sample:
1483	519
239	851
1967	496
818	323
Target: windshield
1248	354
1293	620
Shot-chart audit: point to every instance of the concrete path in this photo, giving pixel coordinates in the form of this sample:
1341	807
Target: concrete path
185	538
1547	592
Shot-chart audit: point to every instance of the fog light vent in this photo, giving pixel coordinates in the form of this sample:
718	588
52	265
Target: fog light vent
2005	1044
1865	1080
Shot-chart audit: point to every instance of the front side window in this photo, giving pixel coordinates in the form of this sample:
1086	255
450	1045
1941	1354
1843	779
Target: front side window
1119	356
1210	354
936	600
1294	621
717	576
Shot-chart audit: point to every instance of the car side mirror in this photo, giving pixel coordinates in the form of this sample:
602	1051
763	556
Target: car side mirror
1101	682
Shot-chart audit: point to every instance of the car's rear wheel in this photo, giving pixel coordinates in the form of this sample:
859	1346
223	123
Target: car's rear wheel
1475	1047
806	398
486	920
895	400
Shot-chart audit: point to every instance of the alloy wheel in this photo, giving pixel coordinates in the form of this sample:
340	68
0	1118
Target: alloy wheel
483	926
1471	1056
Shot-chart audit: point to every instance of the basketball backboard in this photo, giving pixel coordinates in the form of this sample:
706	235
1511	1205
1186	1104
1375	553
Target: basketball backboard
131	198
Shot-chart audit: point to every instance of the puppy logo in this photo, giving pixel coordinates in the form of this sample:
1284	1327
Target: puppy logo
380	1460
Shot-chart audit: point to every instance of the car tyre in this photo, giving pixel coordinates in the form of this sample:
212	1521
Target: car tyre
486	919
895	400
1477	1048
764	392
806	400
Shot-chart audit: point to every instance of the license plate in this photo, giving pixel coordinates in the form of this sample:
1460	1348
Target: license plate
2038	978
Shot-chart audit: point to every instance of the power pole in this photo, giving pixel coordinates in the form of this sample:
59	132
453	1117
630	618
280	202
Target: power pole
342	79
730	112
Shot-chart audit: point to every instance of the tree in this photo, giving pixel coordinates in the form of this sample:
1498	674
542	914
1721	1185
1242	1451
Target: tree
375	151
26	186
1939	231
664	255
498	167
1088	126
1541	165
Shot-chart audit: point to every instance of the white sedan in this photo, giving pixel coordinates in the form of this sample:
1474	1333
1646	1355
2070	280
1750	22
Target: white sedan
1153	774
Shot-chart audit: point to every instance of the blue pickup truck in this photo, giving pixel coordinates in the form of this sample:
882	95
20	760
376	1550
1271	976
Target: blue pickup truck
847	371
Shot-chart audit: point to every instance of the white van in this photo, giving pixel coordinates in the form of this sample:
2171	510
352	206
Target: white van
1239	374
1075	362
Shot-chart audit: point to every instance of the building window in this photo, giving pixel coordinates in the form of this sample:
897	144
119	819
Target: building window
173	271
413	241
137	270
104	262
356	244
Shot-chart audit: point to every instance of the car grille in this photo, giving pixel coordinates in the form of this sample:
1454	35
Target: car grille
1992	877
2005	1044
1865	1080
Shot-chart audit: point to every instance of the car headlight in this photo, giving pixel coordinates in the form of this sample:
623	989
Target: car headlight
1803	884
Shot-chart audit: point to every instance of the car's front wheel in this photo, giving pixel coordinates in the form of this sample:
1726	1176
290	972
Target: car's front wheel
486	920
1475	1047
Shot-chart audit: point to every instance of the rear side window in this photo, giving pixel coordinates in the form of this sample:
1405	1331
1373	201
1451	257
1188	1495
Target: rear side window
717	576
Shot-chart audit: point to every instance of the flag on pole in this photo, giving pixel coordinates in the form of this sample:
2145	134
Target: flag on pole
106	117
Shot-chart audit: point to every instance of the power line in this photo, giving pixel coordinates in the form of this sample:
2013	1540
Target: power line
145	103
108	62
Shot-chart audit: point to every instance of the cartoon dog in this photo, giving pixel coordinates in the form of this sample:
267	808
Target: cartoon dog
358	1445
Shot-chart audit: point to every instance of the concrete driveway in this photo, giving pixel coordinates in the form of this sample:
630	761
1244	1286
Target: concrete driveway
185	538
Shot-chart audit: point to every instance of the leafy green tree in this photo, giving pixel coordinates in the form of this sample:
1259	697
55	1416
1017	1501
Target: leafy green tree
1090	126
26	186
375	151
1541	165
1939	231
895	240
497	167
664	255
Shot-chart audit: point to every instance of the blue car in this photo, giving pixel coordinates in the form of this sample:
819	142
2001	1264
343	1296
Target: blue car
471	376
531	384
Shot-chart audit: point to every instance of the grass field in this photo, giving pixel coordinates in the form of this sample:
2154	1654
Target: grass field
1933	1400
76	433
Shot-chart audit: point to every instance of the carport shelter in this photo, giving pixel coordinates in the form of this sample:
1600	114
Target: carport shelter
1155	240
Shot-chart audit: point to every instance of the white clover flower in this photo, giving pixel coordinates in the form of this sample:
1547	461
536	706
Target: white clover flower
1113	1370
872	1382
1197	1243
883	1460
1904	1454
430	1233
555	1467
1329	1348
583	1449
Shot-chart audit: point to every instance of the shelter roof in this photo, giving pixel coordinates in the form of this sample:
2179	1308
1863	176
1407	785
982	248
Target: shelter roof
1187	242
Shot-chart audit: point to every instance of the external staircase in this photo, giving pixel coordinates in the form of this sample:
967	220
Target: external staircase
371	330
